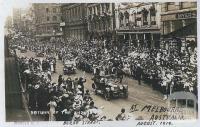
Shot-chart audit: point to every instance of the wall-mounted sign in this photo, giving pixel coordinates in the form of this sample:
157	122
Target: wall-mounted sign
177	16
186	15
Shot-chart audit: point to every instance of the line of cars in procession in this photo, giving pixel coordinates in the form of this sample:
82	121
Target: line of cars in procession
107	86
69	66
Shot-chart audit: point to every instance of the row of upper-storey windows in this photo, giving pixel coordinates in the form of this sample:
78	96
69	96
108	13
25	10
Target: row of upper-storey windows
53	10
99	9
54	18
172	6
74	12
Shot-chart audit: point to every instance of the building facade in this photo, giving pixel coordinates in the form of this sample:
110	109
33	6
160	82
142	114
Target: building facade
101	21
28	26
138	23
17	17
75	21
8	25
179	25
8	22
47	18
179	19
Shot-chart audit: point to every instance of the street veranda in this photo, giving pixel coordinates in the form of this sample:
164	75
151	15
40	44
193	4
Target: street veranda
165	70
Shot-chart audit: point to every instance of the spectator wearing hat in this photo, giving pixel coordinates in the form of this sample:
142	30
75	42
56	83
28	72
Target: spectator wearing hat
31	97
121	116
77	116
60	80
139	74
81	83
67	114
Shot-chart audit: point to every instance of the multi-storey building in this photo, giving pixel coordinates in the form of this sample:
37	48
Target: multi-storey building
179	19
8	25
17	24
179	25
27	21
138	23
47	19
101	20
75	23
8	22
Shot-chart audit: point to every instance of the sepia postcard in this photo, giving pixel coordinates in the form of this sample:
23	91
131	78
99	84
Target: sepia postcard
99	63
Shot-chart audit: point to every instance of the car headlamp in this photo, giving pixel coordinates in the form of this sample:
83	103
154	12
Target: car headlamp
107	89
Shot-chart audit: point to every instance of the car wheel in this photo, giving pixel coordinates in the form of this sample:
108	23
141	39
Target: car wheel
126	95
95	91
93	86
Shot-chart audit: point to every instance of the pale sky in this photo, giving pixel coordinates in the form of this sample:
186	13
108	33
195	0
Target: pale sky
8	5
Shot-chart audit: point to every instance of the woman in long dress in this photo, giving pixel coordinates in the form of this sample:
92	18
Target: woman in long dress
52	68
52	105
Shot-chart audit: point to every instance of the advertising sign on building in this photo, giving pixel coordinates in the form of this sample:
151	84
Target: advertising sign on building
186	15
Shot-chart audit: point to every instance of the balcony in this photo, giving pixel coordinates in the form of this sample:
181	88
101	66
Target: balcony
49	34
133	26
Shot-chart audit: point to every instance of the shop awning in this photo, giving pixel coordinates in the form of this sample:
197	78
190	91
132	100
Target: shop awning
185	31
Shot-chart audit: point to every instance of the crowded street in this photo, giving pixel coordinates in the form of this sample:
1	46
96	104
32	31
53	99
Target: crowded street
142	95
102	62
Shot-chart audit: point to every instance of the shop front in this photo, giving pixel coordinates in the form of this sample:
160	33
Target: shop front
181	25
140	38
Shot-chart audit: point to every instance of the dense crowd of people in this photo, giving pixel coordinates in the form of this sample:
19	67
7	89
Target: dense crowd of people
66	100
164	69
167	70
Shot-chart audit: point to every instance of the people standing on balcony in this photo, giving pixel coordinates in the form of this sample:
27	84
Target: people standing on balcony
145	15
121	18
126	15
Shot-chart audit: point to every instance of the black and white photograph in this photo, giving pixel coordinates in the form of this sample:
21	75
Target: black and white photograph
86	63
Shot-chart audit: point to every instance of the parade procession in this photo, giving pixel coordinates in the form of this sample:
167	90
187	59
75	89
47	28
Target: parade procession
95	61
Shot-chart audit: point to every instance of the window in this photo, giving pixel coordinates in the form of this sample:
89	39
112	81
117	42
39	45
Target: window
54	18
90	11
54	10
94	10
98	9
76	11
102	6
145	15
61	18
107	7
153	15
185	5
47	10
178	24
47	18
166	27
171	6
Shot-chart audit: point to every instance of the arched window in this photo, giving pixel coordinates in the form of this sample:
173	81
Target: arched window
54	10
54	18
47	10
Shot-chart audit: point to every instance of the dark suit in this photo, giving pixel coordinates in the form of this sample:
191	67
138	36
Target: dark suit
139	74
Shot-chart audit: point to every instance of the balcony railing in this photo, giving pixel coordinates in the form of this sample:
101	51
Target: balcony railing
136	27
